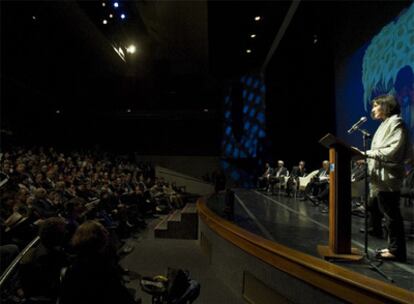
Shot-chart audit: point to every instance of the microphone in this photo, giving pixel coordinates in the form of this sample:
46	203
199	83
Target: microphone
356	125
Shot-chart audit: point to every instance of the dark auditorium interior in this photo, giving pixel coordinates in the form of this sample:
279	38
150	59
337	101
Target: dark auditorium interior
206	151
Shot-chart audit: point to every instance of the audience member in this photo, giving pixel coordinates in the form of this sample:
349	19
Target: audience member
94	276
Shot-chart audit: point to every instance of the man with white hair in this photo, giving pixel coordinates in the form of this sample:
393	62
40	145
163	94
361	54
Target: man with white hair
279	173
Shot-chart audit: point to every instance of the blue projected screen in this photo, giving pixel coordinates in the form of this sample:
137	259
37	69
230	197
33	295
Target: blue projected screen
384	65
244	118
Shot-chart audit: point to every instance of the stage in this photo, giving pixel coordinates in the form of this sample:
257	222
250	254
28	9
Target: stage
301	226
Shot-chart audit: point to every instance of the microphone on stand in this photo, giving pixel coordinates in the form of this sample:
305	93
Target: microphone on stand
356	125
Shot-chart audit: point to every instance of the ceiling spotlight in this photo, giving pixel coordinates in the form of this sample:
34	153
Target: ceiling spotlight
131	49
58	111
257	18
205	110
116	4
122	16
253	36
103	4
248	51
111	16
34	17
128	110
105	21
315	39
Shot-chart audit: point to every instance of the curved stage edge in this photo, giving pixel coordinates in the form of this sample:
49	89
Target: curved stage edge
249	263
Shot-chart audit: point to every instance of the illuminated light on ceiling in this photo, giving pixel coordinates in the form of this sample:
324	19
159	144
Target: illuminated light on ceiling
315	39
128	110
111	16
205	110
57	111
116	4
103	4
119	52
253	36
34	17
105	21
257	18
131	49
248	51
122	16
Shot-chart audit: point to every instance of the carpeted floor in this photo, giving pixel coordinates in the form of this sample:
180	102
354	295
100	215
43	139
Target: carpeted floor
153	256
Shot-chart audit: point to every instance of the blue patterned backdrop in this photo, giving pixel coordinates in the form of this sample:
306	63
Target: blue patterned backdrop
244	127
383	65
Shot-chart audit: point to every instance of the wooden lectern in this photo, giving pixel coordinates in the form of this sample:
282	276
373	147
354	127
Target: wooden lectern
340	155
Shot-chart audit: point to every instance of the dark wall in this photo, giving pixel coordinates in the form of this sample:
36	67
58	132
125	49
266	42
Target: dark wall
300	81
62	61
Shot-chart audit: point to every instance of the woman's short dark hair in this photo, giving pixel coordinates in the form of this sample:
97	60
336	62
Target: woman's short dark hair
52	232
388	103
90	238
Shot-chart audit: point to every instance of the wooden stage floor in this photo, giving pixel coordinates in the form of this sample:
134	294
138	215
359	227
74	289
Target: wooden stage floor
301	226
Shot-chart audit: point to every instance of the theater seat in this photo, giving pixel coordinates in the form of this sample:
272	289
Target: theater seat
39	300
190	295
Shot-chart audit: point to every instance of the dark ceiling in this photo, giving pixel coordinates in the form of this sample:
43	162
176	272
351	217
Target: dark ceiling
60	64
60	73
62	50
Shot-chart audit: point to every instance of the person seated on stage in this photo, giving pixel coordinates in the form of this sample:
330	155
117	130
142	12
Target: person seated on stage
293	181
278	175
358	171
263	181
407	189
318	185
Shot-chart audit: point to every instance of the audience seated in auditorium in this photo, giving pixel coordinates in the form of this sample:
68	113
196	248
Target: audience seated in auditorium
40	183
293	181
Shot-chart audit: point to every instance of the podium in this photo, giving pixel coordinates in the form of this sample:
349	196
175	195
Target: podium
339	246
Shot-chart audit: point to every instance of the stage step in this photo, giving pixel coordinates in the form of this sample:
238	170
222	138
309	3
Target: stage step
181	224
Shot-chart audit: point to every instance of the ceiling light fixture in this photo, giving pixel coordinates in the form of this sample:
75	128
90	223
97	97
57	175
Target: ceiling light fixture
257	18
131	49
105	21
253	36
122	16
248	51
116	4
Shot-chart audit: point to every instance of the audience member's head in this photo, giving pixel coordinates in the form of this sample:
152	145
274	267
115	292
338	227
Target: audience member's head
52	232
90	238
40	193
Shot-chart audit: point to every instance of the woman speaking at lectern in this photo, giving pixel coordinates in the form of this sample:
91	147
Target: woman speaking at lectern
389	149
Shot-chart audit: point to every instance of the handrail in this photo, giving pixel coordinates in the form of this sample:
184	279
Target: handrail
333	279
9	270
180	175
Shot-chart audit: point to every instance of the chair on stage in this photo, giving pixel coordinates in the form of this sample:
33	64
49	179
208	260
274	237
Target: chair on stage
304	181
281	185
